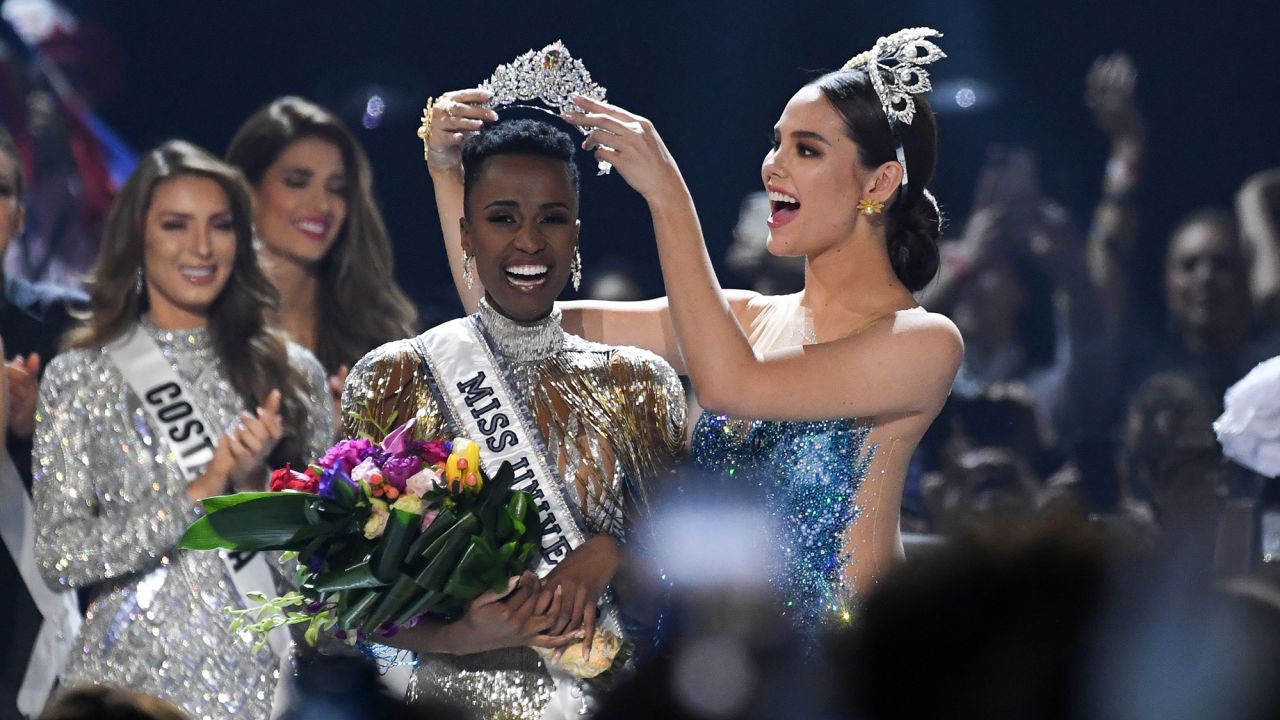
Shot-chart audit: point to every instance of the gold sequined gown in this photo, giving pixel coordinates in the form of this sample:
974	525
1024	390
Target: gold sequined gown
613	419
111	504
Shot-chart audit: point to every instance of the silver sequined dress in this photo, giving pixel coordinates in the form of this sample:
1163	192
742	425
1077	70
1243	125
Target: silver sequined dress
613	419
110	505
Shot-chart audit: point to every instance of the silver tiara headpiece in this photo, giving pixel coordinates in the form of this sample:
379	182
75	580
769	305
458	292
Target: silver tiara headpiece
896	68
550	75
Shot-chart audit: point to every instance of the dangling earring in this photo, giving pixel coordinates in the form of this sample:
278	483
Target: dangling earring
139	284
467	278
870	206
575	269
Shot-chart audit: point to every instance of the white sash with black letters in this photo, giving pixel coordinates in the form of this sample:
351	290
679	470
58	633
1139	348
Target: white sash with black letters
61	613
182	427
479	400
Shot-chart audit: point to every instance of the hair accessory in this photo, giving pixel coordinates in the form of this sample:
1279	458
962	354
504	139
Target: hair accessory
550	75
894	65
575	268
870	206
896	83
468	278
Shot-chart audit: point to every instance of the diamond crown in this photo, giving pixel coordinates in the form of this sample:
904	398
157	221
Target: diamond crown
895	66
550	75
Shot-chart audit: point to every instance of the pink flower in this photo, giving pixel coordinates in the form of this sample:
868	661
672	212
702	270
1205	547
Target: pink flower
422	482
435	451
346	454
400	440
366	471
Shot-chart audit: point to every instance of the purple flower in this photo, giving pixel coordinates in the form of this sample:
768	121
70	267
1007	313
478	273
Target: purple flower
315	606
315	563
397	442
330	476
347	454
399	469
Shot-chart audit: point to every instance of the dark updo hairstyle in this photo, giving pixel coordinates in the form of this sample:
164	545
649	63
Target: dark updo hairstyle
912	220
516	137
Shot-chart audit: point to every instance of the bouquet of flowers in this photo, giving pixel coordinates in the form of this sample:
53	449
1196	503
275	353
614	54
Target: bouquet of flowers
385	533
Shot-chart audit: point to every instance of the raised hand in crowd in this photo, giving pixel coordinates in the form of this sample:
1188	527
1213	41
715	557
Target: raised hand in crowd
238	460
1110	94
23	374
1258	211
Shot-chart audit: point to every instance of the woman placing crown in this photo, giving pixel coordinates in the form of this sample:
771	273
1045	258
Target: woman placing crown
822	396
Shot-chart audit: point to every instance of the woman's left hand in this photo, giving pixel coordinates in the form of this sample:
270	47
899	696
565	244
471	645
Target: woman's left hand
630	143
582	577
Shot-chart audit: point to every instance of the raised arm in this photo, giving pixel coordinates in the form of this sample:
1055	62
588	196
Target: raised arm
902	366
1258	207
1109	94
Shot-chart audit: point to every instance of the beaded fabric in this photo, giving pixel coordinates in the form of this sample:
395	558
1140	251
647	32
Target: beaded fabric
111	504
613	418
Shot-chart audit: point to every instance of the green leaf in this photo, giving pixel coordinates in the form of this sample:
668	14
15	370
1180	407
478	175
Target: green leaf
423	605
392	601
358	606
453	544
259	521
445	520
358	575
402	528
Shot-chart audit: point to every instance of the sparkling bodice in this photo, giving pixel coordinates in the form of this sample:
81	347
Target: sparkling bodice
809	473
612	418
110	506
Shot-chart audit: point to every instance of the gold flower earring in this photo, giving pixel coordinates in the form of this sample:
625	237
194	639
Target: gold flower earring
870	206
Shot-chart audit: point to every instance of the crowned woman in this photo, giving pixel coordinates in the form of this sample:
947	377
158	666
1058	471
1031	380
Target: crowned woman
584	425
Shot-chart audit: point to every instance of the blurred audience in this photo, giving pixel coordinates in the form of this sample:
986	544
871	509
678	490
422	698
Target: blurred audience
748	255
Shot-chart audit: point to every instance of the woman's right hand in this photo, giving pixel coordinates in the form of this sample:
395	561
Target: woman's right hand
242	450
500	620
455	116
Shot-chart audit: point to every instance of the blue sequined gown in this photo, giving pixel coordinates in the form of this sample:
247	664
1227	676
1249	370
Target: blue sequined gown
809	473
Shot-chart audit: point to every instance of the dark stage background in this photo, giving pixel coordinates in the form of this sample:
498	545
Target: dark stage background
713	76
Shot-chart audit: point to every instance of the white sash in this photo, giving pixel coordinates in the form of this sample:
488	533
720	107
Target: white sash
182	427
60	610
477	396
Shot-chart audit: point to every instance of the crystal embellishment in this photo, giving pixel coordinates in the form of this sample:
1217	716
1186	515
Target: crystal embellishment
897	61
550	75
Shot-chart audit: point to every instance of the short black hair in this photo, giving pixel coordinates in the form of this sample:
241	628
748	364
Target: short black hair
516	137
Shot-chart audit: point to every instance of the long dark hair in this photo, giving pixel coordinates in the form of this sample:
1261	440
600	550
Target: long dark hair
253	355
361	305
912	230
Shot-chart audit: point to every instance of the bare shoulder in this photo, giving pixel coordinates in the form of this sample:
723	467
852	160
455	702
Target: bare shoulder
928	343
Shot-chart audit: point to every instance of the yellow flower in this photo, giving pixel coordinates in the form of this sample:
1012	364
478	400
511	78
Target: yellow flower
463	466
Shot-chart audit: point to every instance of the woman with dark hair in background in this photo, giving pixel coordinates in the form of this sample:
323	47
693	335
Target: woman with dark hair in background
324	244
831	388
152	410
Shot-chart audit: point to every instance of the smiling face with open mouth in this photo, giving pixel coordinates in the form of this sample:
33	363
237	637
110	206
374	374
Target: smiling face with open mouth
521	225
189	248
812	175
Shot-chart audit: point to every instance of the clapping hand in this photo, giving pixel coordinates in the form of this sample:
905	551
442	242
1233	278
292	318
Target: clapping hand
242	450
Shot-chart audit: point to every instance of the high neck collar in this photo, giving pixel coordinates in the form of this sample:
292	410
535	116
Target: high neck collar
523	342
183	338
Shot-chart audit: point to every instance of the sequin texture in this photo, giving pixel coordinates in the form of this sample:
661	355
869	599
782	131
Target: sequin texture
110	506
612	418
810	473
